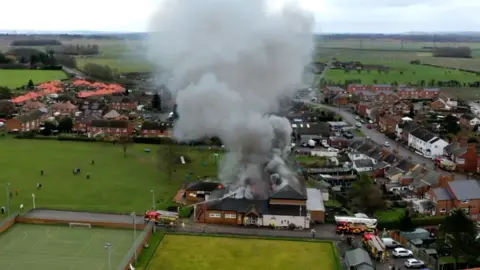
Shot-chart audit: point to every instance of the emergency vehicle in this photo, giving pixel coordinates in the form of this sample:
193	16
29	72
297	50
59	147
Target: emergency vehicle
375	247
369	222
354	228
161	217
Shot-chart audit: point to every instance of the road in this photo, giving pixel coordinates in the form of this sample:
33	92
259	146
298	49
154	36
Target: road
78	74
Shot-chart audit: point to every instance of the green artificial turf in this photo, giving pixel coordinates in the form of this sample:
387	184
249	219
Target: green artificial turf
181	252
117	184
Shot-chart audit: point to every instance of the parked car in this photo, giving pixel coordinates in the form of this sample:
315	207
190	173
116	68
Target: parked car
390	243
414	263
348	135
386	144
369	126
358	124
402	253
357	117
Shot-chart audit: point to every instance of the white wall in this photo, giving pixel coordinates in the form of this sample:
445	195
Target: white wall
437	147
357	156
299	221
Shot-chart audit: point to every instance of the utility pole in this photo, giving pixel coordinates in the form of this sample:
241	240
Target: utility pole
134	234
8	199
108	247
153	199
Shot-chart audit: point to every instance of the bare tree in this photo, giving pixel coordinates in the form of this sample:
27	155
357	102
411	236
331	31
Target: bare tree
167	158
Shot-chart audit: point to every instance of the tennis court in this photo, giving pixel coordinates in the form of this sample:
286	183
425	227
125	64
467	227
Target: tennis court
45	247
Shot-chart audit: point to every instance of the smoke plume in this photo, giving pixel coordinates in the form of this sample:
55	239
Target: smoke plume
228	62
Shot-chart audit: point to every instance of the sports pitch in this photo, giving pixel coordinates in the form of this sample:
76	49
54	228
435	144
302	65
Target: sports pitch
181	252
42	247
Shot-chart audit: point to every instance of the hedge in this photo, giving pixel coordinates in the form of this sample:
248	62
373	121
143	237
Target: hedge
417	222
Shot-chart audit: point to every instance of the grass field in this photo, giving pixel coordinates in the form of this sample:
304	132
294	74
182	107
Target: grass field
179	252
13	78
117	184
120	65
42	247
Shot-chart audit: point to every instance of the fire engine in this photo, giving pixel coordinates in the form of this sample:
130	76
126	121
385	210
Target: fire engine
445	164
375	247
368	222
354	228
161	217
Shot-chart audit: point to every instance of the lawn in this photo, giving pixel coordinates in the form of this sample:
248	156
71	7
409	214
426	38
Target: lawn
14	78
304	159
180	252
402	74
117	184
393	214
43	247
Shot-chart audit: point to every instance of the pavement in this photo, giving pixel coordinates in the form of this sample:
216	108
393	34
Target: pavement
83	217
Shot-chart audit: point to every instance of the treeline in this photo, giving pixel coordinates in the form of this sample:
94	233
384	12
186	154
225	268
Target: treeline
23	58
456	52
98	71
77	49
399	37
36	42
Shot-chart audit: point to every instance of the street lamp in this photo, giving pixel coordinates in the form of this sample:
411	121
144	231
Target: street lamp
134	234
8	199
108	247
33	199
153	199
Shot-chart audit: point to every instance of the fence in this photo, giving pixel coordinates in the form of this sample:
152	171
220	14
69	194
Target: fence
7	223
419	253
136	248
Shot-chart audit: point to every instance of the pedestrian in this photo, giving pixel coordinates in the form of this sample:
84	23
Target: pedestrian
3	210
88	176
93	162
41	172
39	186
21	208
17	191
313	233
11	195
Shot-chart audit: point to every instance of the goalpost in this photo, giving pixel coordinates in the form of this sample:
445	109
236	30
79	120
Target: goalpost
81	225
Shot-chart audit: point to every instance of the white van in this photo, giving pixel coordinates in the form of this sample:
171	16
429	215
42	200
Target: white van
390	243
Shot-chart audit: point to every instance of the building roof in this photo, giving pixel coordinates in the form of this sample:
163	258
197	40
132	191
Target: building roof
465	189
287	210
363	163
403	165
288	193
442	194
315	200
239	205
422	134
394	171
468	116
64	106
34	115
429	178
34	105
357	257
381	165
110	123
112	115
120	99
334	89
202	186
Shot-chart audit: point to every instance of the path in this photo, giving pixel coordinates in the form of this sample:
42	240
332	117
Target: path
83	217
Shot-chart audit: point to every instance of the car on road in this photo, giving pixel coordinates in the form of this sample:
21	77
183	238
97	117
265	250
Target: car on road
358	125
402	253
362	121
369	126
414	263
386	144
348	135
357	117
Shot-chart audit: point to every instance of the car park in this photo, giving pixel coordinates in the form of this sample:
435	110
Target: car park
402	253
414	263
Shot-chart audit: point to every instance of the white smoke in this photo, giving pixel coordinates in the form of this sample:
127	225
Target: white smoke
228	63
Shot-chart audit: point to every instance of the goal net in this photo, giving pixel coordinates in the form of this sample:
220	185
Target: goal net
81	225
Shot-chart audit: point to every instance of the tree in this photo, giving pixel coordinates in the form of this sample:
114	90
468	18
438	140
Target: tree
65	124
48	128
451	124
167	158
366	196
30	84
458	232
6	108
156	102
5	93
406	223
411	114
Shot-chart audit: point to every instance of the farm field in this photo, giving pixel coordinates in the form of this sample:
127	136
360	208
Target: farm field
467	94
117	184
43	247
391	44
118	65
181	252
13	78
411	74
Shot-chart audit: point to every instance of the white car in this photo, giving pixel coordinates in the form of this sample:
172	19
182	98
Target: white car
357	117
414	263
386	144
358	124
402	253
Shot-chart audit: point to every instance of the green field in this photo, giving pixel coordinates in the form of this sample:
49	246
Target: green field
180	252
14	78
42	247
117	184
119	65
411	74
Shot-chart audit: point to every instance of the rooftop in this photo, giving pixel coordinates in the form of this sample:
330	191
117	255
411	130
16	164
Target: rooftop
465	189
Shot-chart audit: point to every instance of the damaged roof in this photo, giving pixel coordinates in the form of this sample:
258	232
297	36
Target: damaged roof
288	193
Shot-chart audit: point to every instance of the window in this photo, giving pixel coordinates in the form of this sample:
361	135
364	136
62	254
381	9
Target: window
215	215
230	216
465	201
443	210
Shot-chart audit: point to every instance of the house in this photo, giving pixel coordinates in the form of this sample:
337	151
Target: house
363	165
352	88
468	121
82	124
64	108
463	155
315	205
155	129
341	99
380	87
387	123
459	194
358	259
440	105
199	191
418	93
332	91
123	103
32	106
426	143
338	142
320	128
27	122
284	208
361	108
366	95
110	128
403	129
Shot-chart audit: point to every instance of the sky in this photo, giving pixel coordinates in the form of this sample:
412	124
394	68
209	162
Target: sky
332	16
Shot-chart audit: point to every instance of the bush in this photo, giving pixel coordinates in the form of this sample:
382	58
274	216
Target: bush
51	68
417	222
160	140
185	212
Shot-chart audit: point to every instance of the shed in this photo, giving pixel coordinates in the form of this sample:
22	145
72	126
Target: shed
315	205
358	259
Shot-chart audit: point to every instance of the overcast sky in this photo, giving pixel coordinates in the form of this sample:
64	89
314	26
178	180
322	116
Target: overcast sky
332	16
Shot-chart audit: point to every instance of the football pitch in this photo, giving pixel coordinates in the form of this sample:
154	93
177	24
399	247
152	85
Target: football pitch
42	247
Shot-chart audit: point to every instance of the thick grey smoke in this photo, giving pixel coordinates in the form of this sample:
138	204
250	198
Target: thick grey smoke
228	63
